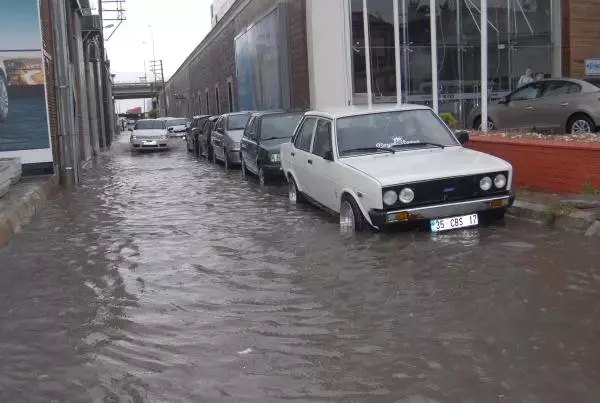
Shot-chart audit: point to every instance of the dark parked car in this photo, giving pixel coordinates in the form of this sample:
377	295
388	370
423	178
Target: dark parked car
204	137
262	139
193	131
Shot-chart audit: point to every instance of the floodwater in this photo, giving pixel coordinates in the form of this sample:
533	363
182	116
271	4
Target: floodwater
166	279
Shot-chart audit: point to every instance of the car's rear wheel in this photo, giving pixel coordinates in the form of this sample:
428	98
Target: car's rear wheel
262	177
243	168
581	123
294	195
226	162
3	99
351	218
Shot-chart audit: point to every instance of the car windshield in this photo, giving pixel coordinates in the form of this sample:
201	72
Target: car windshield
279	126
395	130
150	125
176	122
237	122
593	80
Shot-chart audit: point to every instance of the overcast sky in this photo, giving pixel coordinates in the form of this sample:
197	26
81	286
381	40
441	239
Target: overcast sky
179	26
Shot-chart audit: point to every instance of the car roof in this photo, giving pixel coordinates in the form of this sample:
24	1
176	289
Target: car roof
585	85
355	110
278	112
201	116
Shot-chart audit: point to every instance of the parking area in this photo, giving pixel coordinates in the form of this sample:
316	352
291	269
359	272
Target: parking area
167	278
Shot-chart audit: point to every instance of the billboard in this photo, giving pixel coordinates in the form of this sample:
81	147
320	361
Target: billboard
24	129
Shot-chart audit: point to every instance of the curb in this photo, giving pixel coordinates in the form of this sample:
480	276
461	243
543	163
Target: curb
579	221
30	203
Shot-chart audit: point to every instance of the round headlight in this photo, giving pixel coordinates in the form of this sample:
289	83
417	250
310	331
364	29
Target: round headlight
485	183
500	181
390	197
407	195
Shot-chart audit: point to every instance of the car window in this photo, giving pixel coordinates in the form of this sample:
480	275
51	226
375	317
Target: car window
250	129
220	123
304	137
527	93
150	125
237	122
556	88
574	88
322	142
279	126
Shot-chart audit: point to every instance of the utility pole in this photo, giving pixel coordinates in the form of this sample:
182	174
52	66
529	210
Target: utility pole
156	67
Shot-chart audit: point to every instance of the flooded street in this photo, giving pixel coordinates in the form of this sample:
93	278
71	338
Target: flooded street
166	279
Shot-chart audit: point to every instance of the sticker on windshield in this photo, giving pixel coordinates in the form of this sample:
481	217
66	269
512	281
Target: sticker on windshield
397	141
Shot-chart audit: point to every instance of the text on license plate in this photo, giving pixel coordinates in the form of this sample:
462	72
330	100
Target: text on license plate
445	224
149	143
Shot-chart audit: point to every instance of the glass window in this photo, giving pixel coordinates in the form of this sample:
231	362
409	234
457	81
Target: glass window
396	130
527	93
322	142
150	125
176	122
279	126
304	137
207	102
248	131
217	100
237	122
554	88
230	95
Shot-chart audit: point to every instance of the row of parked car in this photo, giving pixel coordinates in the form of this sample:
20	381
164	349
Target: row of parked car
372	166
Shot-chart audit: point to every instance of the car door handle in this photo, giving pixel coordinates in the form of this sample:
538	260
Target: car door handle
310	161
529	108
564	104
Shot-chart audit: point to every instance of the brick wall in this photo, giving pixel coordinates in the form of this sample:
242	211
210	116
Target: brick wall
581	34
47	44
215	64
553	166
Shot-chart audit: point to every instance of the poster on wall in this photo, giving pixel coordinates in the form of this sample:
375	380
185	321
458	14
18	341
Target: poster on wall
24	130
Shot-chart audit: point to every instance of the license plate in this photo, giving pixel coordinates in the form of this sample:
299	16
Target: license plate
149	143
445	224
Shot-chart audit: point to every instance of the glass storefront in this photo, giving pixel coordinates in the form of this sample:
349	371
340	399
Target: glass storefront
519	38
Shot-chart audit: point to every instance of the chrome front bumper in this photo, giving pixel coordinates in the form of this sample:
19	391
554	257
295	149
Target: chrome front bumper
381	218
140	144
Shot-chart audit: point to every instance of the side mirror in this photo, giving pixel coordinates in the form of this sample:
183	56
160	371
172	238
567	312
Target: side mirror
328	155
462	137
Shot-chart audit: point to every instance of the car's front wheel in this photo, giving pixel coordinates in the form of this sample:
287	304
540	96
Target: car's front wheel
262	177
294	195
243	168
3	99
351	218
226	162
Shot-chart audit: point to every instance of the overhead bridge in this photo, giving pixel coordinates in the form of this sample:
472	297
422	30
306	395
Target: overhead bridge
136	90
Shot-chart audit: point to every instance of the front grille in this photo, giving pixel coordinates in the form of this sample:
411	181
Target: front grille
446	190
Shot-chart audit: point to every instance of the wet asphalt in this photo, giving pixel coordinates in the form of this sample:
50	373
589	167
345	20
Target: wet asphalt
167	279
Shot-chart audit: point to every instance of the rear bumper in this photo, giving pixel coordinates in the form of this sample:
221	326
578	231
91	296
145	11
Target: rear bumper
380	218
272	170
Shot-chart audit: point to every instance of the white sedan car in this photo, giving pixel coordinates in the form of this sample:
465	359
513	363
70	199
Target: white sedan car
382	165
149	134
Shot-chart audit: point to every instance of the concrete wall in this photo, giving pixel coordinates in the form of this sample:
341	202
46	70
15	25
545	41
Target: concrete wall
330	69
212	64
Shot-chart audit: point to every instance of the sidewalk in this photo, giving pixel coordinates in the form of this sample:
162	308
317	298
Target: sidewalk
21	203
572	212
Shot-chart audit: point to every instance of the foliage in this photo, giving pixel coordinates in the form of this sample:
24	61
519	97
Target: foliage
449	119
153	114
557	210
588	188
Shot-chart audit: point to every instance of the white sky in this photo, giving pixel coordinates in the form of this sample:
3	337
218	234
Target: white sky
179	26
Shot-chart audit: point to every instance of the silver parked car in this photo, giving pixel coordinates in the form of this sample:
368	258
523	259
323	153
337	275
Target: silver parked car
226	138
149	134
177	127
555	105
3	92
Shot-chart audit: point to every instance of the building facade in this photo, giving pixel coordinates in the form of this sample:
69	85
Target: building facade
325	51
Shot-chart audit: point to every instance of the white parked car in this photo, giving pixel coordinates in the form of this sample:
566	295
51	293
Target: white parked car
393	164
149	134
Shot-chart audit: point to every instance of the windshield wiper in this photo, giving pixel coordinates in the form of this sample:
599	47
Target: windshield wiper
389	150
425	143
